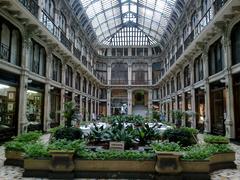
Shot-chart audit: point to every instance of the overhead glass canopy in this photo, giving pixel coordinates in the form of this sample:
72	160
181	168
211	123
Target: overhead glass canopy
150	18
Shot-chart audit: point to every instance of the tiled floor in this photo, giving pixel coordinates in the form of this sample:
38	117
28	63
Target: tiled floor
15	173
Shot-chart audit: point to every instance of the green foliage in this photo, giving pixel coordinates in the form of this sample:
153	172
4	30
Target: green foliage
53	130
69	109
65	145
27	137
166	147
155	114
36	150
115	155
98	134
15	146
145	134
215	139
183	136
203	152
69	133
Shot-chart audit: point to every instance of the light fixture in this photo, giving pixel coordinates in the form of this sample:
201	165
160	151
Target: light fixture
29	81
223	80
202	88
51	87
32	92
2	86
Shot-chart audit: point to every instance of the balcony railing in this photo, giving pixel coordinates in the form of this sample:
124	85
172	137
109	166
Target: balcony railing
49	24
32	6
172	60
188	40
141	82
4	52
65	41
119	82
179	52
84	60
77	53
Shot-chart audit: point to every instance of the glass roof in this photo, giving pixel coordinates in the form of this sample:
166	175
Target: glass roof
109	19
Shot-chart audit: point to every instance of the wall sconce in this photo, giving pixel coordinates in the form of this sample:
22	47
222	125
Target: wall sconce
223	80
202	88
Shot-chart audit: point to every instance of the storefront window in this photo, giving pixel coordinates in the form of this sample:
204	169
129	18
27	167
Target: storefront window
34	110
8	107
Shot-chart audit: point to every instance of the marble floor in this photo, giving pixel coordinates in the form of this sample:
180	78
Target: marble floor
15	173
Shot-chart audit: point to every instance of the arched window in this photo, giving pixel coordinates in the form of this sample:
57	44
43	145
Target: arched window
187	78
37	63
215	57
10	42
62	23
198	69
235	38
50	8
140	73
119	74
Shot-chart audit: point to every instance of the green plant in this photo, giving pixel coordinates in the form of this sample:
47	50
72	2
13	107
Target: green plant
183	136
53	130
69	133
65	145
145	134
36	150
27	137
15	146
69	109
116	155
98	134
178	115
166	147
215	139
203	152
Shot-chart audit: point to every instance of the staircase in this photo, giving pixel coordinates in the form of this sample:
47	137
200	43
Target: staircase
140	110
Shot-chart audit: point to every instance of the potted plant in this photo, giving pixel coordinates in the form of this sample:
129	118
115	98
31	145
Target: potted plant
69	109
178	116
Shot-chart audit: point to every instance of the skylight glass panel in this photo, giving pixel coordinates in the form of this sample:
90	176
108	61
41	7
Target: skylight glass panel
145	18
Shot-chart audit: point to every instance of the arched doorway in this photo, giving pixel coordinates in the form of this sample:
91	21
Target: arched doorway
140	102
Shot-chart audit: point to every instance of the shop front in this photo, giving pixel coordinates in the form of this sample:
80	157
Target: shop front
35	104
200	109
9	84
55	106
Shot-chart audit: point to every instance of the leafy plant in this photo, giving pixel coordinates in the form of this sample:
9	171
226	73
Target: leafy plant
53	130
215	139
69	133
27	137
69	109
183	136
145	134
15	146
65	145
116	155
178	116
36	150
203	152
97	134
166	147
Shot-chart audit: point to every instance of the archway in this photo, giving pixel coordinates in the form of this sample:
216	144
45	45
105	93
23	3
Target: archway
140	102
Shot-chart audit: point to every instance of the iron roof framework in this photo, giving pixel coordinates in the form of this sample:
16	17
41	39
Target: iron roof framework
128	22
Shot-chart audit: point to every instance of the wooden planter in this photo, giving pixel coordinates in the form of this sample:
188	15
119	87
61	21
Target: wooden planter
14	158
168	162
115	165
62	161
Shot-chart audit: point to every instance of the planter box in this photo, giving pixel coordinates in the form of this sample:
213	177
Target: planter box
222	161
62	161
14	158
168	163
115	165
195	166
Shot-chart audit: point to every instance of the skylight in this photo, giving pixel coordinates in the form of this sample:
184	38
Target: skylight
109	17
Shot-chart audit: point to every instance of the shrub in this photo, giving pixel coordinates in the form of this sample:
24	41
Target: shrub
69	133
166	147
15	146
203	152
116	155
27	137
65	145
183	136
215	139
36	150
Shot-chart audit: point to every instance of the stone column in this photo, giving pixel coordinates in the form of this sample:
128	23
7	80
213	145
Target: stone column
150	73
207	119
87	110
22	118
62	120
108	102
129	101
193	101
150	101
109	73
229	122
129	73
